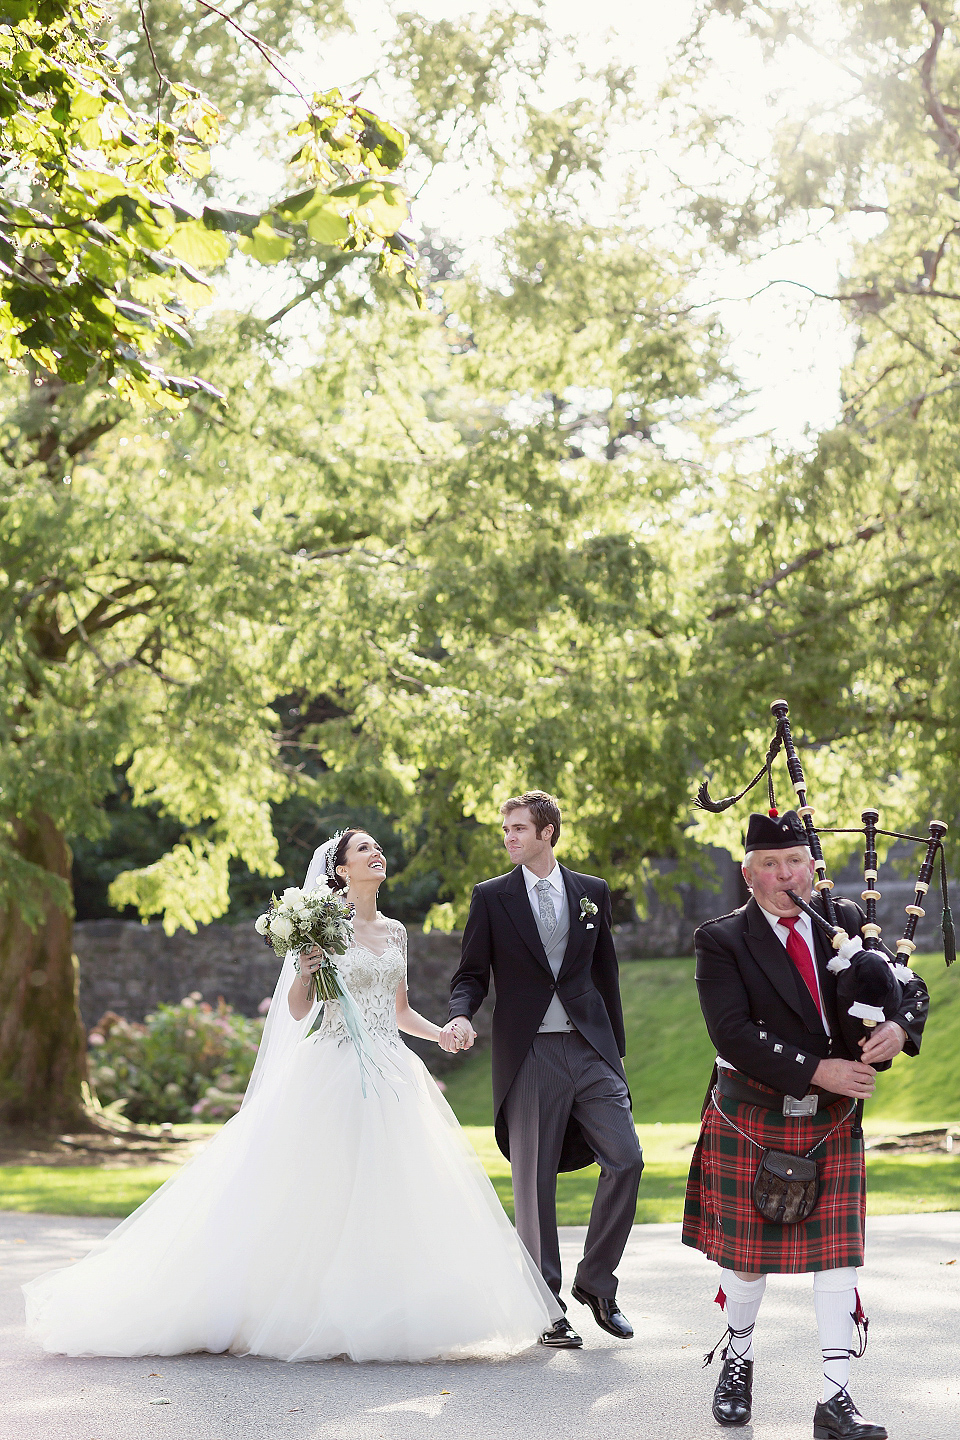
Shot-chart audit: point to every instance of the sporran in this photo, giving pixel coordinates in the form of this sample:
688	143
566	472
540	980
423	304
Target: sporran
786	1187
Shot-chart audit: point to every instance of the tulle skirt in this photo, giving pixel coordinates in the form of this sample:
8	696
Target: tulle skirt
318	1223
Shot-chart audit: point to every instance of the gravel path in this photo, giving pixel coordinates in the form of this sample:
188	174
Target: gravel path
652	1387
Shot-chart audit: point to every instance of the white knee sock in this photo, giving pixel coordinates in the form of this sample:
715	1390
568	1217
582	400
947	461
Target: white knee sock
742	1304
835	1302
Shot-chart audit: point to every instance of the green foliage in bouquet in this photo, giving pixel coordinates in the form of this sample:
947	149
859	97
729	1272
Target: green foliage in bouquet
301	918
190	1061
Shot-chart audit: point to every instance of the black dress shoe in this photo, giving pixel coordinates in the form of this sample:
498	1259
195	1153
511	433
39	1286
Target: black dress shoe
839	1419
606	1313
561	1336
733	1397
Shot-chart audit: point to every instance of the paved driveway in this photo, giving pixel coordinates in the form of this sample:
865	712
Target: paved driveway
653	1387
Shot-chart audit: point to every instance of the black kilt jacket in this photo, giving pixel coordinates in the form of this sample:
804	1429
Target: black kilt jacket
758	1011
501	938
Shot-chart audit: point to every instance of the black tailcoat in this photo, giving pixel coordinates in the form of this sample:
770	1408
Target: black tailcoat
760	1014
501	937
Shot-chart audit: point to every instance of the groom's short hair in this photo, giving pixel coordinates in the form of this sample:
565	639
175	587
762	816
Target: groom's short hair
543	808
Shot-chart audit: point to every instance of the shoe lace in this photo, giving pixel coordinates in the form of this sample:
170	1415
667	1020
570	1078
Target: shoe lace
737	1368
844	1401
729	1335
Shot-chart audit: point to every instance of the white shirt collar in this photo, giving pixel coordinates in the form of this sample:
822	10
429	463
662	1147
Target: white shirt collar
782	932
532	881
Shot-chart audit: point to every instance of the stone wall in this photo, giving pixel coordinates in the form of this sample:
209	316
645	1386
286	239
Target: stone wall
130	968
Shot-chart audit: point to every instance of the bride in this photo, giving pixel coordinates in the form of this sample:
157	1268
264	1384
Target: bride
321	1221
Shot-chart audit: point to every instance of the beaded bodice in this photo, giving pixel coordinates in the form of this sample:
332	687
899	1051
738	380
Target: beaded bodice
372	981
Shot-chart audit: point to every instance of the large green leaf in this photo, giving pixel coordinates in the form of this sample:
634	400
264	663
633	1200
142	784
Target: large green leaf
265	244
198	245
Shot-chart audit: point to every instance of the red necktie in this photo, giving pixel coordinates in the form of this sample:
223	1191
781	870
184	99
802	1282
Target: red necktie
799	953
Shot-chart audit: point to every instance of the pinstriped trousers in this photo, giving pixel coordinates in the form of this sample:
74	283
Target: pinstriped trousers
563	1076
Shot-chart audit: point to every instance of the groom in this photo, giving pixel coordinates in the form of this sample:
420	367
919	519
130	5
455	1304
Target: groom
559	1089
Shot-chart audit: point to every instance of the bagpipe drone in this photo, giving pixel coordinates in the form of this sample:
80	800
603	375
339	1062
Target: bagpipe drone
872	981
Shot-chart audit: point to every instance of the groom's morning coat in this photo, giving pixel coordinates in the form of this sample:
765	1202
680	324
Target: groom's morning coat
501	937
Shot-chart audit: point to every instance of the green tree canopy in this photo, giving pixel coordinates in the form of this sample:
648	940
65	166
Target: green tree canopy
833	576
102	258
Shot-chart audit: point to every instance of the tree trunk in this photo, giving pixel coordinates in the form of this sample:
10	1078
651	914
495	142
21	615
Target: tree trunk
43	1058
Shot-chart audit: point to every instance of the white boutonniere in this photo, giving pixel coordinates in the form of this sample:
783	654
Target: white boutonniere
587	907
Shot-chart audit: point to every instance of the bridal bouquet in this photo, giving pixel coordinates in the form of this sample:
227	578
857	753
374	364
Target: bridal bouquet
302	918
321	917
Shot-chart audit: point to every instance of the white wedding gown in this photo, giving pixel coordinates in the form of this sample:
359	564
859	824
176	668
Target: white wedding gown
318	1223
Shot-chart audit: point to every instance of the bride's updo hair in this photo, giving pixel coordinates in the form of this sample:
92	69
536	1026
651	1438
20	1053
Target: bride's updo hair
338	882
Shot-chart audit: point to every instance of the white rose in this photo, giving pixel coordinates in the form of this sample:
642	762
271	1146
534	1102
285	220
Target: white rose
302	910
320	890
281	927
262	924
291	895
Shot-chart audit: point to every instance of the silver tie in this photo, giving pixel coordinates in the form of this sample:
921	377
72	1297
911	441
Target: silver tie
548	915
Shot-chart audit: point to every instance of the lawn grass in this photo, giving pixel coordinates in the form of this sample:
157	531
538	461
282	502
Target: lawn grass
896	1185
78	1190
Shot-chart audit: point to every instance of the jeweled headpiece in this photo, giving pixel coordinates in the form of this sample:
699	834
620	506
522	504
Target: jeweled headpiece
331	849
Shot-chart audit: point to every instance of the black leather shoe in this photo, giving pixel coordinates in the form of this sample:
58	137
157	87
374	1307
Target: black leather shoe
839	1419
733	1397
561	1336
606	1313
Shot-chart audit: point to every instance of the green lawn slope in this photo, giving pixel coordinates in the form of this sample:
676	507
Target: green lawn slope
669	1055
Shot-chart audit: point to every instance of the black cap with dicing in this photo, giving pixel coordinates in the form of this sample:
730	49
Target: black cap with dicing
780	832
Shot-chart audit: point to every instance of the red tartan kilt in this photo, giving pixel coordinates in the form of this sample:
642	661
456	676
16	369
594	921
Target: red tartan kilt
720	1218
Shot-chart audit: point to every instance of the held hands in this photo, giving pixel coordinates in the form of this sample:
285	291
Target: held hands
885	1043
457	1034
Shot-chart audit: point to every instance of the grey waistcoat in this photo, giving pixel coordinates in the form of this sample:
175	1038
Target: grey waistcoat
555	945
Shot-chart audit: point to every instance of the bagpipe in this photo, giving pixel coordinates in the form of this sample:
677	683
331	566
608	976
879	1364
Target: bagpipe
872	980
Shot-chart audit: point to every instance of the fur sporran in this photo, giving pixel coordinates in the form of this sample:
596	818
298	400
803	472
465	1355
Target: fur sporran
786	1187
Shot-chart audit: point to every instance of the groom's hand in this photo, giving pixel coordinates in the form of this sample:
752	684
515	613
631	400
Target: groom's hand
457	1034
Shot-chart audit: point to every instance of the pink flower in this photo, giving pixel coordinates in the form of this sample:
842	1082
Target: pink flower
264	1005
95	1038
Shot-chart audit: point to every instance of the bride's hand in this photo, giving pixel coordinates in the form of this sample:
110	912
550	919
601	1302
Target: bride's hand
457	1034
309	962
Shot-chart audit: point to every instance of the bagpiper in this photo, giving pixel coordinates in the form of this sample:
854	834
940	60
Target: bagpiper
777	1182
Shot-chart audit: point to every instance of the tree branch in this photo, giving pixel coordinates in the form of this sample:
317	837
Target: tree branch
331	269
267	51
866	532
928	69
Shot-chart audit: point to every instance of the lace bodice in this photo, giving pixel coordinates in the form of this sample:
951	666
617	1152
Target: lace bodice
372	981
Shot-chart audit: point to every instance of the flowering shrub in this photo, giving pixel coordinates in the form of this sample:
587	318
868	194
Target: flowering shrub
190	1061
